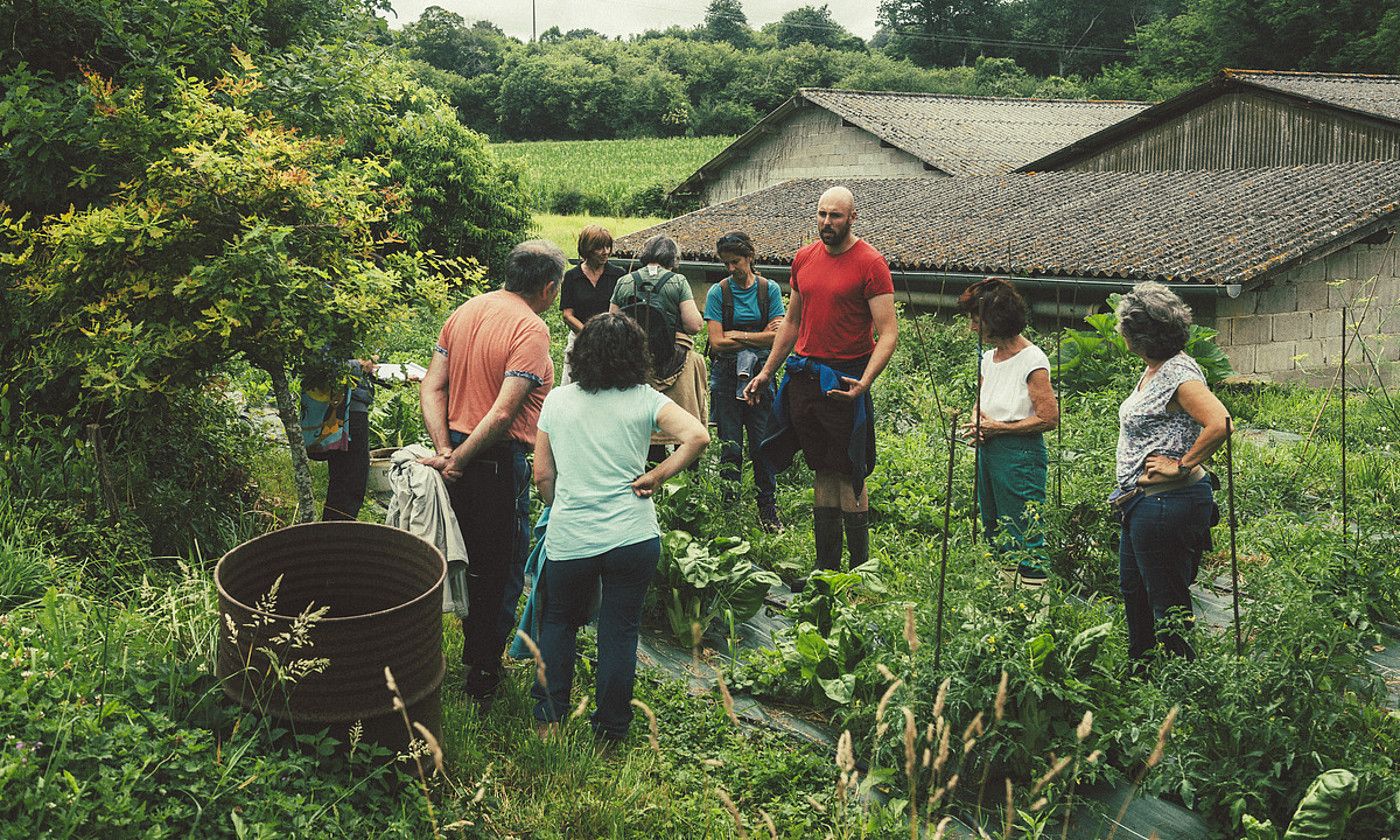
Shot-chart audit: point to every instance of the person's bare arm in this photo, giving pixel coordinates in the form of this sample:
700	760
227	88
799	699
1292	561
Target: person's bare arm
886	337
493	427
1045	410
783	343
691	321
574	323
734	340
432	401
1195	398
758	340
694	437
545	472
721	341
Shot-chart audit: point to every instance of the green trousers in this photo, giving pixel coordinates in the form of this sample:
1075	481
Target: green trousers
1010	473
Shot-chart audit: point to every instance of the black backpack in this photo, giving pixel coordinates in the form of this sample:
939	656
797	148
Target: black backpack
659	325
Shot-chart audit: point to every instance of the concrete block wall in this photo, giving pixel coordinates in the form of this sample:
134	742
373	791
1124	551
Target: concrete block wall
1291	328
812	143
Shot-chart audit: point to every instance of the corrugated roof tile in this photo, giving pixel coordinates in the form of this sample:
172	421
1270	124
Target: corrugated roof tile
1203	226
972	135
1374	94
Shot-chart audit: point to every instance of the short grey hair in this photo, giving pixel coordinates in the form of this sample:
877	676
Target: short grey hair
659	249
532	265
1154	321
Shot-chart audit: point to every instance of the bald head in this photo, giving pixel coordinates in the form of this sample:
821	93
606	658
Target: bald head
836	209
837	196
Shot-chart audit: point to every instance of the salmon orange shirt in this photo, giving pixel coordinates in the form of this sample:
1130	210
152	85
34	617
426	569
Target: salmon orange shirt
485	340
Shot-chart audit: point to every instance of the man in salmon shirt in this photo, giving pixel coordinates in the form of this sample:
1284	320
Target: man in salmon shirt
842	299
481	401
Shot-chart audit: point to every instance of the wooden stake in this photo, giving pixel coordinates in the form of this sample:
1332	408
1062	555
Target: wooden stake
1344	420
947	525
1234	557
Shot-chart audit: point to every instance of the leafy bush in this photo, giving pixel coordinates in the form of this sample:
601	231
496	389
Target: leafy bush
1093	359
818	660
648	201
702	582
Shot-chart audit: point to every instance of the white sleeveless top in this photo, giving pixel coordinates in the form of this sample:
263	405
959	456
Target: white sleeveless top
1005	394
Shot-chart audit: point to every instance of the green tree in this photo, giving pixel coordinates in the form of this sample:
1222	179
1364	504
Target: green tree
942	33
244	239
156	228
1080	36
1348	36
463	61
590	89
814	25
460	200
444	40
725	21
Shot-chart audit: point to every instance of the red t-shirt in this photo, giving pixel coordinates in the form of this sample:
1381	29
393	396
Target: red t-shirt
836	322
486	339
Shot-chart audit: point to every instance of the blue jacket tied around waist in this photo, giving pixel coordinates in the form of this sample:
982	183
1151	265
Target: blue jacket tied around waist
781	445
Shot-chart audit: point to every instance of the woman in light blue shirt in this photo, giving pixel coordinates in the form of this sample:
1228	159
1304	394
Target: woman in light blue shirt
590	467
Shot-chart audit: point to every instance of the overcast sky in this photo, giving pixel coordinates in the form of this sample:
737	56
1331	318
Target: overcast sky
626	17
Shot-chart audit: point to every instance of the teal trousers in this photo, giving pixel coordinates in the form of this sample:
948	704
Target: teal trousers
1010	473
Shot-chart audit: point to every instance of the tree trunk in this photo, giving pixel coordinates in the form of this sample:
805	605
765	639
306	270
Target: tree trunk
291	421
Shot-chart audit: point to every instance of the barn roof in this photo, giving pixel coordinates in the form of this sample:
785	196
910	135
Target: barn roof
1206	227
1369	97
1377	96
960	135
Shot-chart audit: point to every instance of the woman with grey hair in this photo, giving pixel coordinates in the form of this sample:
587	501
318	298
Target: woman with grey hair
659	298
1167	428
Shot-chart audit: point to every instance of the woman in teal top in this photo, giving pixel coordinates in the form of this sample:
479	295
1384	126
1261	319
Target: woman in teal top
590	467
743	312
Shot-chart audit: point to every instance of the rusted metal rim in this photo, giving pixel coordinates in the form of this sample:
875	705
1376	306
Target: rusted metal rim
383	532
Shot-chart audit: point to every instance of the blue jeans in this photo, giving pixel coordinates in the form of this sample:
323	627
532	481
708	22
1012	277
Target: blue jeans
736	418
1160	550
492	504
625	573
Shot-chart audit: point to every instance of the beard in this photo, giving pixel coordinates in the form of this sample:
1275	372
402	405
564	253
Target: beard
834	234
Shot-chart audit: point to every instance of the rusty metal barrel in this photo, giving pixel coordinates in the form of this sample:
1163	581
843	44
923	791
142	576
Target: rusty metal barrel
381	589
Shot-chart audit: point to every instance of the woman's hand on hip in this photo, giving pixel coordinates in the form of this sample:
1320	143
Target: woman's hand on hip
1161	468
646	484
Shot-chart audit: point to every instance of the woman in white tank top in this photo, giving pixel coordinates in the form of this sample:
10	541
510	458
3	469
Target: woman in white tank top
1017	404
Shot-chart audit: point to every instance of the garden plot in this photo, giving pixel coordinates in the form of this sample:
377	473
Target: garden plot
1103	808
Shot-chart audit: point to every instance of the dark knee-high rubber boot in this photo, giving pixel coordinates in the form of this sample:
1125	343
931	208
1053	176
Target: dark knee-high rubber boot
857	535
826	532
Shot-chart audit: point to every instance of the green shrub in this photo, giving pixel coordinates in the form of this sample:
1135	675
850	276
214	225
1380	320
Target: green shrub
1094	358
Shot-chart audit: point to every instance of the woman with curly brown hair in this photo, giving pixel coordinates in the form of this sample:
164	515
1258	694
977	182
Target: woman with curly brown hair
590	468
1015	405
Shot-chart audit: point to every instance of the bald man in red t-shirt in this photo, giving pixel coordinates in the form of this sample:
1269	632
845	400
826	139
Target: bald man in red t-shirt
841	320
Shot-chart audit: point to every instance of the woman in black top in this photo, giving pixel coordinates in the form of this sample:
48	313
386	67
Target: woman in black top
588	287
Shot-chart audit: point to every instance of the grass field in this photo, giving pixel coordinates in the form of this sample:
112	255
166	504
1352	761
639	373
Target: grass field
608	177
563	230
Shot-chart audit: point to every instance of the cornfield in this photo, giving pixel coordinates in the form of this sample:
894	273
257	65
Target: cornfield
608	177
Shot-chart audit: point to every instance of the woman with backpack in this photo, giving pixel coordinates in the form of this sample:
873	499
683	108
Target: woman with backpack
743	312
658	298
